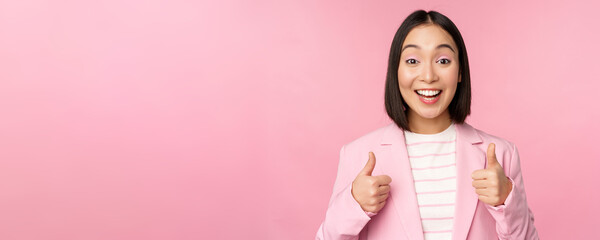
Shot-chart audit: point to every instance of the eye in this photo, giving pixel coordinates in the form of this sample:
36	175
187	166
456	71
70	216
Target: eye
411	61
444	61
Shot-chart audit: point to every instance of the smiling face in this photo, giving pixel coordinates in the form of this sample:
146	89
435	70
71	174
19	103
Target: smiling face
428	72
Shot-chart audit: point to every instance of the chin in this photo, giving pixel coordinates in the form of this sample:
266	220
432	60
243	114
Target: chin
429	114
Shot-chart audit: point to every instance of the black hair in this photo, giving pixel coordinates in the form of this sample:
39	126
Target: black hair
460	106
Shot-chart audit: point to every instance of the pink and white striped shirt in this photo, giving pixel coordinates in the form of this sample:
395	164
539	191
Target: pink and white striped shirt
433	163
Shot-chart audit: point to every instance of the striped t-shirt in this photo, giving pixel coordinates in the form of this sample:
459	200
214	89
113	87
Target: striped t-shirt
433	163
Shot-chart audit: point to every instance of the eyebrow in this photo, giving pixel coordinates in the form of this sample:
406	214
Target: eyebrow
438	47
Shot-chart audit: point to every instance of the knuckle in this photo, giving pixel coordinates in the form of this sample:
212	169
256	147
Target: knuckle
372	181
372	192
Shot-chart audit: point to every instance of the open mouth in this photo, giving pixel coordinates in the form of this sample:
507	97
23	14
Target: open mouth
429	96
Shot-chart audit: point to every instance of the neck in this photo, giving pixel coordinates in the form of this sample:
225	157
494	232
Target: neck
421	125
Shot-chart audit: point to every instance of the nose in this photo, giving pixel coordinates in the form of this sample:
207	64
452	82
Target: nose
428	73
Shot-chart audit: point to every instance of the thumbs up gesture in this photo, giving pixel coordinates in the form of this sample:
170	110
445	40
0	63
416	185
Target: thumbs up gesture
491	184
371	192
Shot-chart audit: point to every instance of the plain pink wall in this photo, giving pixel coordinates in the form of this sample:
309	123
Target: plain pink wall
224	119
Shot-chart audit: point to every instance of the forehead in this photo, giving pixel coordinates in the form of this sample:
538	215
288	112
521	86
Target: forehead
428	36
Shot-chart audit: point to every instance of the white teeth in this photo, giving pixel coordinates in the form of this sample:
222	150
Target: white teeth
428	92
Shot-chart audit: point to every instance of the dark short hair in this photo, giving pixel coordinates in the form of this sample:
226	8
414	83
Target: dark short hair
460	106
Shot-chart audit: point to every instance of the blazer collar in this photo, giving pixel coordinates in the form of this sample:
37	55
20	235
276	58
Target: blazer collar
469	157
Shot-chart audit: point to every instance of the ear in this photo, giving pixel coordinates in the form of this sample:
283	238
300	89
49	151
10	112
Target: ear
459	77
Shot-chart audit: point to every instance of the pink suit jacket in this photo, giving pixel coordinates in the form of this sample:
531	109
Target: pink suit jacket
399	218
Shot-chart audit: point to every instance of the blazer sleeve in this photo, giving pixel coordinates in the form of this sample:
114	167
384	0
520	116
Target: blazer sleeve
344	218
514	219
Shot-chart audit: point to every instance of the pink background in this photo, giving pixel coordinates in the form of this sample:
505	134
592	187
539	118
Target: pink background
224	119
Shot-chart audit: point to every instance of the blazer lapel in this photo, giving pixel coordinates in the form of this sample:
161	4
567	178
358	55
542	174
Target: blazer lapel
469	157
402	188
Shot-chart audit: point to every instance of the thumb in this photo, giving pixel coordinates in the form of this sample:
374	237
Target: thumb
491	156
368	169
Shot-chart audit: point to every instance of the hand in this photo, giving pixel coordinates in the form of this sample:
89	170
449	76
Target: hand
491	184
371	192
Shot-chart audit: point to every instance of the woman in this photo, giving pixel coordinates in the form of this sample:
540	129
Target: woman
434	177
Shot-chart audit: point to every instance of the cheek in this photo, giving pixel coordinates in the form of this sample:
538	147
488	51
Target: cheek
449	78
451	81
405	79
404	84
450	75
405	87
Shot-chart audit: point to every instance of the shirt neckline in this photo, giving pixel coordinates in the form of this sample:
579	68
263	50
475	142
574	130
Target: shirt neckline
447	131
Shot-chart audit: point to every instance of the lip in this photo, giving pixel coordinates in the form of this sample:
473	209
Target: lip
429	100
